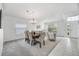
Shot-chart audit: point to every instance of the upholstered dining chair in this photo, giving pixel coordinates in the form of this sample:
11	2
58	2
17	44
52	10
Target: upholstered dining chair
30	38
41	40
27	36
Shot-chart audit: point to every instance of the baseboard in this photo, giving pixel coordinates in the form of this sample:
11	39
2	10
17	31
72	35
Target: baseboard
13	40
74	37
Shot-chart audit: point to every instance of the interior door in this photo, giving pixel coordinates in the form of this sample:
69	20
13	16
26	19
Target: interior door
74	29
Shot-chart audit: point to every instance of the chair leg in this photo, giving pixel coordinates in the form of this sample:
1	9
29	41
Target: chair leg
28	41
25	39
40	45
43	42
32	42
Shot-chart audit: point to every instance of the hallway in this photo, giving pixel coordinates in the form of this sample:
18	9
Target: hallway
67	47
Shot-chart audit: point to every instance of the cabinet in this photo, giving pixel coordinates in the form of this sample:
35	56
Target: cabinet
1	41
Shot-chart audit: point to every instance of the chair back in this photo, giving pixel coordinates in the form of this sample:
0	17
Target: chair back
26	34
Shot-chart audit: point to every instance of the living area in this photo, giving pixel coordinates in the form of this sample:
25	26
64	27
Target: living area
40	29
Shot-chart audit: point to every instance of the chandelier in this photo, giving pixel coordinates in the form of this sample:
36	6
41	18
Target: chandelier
33	21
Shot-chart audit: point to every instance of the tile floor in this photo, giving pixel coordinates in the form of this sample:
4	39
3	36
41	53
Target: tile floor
67	47
21	48
62	47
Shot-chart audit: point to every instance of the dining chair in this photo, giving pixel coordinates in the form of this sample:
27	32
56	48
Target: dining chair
41	40
27	36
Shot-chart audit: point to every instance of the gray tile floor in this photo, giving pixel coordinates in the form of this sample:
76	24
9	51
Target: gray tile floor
22	48
67	47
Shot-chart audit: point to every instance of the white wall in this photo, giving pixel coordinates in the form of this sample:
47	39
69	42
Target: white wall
1	36
61	28
0	5
9	26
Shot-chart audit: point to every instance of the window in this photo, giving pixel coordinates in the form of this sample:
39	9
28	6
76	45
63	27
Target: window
20	28
74	18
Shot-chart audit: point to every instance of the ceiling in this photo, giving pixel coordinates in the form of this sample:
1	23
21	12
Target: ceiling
41	11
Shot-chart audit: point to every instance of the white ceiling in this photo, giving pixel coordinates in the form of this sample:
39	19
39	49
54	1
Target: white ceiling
41	10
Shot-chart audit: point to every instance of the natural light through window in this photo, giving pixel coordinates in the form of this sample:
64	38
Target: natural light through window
20	28
74	18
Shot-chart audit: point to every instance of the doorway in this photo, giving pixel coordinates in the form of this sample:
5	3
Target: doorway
73	26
